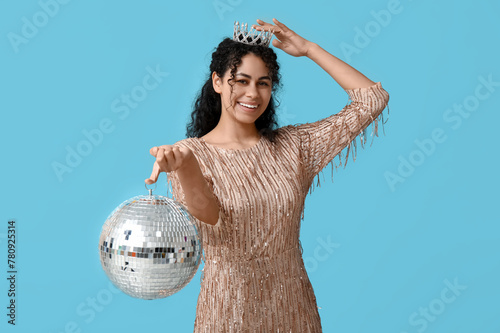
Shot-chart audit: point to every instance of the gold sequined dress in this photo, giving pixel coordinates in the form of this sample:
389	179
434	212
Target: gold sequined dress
254	279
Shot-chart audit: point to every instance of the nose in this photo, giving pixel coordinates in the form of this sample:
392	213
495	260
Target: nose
252	90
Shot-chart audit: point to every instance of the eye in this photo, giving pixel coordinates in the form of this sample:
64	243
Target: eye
262	83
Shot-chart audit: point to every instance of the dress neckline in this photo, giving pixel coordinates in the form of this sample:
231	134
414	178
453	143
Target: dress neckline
261	139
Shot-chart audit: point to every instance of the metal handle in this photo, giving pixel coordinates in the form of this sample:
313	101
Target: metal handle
150	189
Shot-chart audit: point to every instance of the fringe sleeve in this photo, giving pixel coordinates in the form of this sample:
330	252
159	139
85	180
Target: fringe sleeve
205	231
324	139
178	195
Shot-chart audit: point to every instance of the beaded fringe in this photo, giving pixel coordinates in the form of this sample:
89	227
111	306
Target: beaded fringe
369	103
353	146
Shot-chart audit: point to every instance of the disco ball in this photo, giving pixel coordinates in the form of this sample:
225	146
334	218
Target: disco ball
149	247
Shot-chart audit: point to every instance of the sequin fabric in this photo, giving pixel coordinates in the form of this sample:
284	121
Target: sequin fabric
254	278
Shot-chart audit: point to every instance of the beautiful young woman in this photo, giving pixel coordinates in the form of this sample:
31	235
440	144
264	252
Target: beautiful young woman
245	181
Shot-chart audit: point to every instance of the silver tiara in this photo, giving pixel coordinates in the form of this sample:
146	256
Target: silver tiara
242	35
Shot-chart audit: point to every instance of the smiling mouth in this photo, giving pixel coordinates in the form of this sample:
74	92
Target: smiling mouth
248	107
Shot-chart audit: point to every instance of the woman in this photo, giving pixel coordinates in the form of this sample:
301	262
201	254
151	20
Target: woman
245	182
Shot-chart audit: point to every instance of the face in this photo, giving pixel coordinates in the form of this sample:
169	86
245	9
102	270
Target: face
251	93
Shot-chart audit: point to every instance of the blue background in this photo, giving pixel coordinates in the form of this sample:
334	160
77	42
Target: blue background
399	243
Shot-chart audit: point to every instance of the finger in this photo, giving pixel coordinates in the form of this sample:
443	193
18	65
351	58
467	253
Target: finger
154	175
177	156
153	151
276	43
262	22
272	28
264	26
165	159
169	154
160	154
281	25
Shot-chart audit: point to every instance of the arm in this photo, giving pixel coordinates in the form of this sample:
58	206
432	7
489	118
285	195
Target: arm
324	139
345	75
199	198
297	46
340	130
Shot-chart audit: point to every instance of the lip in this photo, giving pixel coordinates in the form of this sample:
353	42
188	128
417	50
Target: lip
249	103
244	108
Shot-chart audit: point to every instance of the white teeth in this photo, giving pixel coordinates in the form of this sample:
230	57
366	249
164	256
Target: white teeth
248	106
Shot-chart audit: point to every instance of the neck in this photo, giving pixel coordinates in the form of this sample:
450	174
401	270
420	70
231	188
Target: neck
235	132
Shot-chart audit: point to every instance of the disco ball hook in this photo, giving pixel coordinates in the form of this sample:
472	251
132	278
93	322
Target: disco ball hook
150	189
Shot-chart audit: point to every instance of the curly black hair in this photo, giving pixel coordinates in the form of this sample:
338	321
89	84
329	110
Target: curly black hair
207	106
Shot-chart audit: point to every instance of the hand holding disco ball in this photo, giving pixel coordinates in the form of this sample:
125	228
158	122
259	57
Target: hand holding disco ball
168	158
149	246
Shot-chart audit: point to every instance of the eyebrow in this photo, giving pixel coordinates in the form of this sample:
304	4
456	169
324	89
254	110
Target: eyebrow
260	78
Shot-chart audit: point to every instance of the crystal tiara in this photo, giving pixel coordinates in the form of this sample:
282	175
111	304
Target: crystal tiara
252	37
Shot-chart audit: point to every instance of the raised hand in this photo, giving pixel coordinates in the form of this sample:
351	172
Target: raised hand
287	40
168	158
